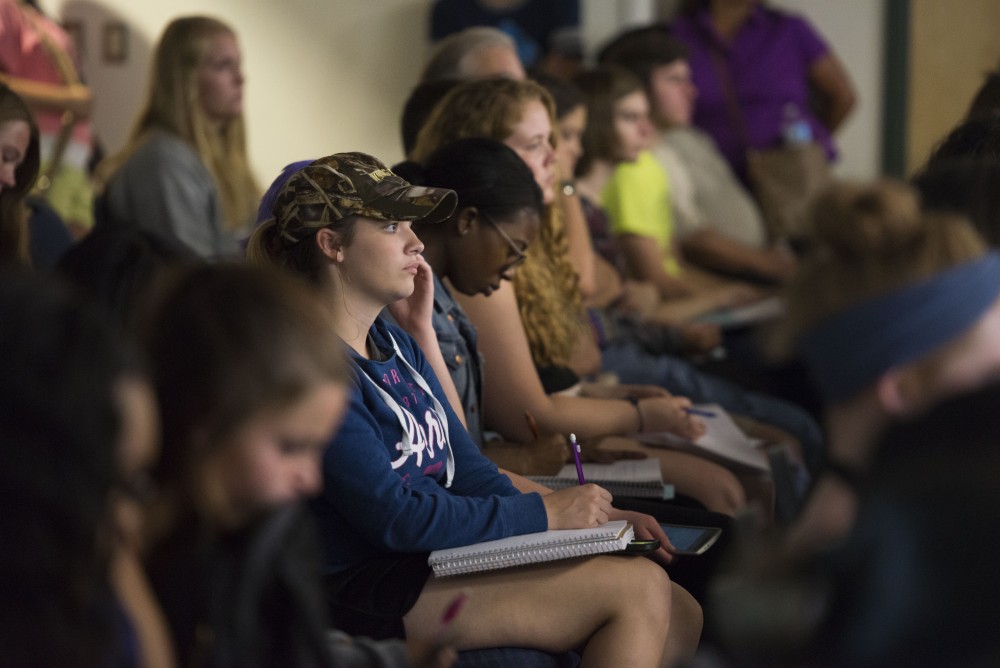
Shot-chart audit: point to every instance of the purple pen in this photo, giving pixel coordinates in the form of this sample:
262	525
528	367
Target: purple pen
575	447
701	413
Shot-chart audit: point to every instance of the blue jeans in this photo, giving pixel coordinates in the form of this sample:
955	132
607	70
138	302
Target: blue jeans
632	365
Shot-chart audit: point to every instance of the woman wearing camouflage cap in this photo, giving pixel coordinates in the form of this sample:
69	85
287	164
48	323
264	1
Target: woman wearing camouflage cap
403	478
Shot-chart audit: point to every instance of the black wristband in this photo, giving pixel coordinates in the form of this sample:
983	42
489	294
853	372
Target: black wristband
634	400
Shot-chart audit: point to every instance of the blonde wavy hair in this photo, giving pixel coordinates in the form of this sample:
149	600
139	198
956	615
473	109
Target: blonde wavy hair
546	284
864	240
173	104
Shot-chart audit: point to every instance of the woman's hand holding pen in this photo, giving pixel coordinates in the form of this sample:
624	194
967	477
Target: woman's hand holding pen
578	507
669	414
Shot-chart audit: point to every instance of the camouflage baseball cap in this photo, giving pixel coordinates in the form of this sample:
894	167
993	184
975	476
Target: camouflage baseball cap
347	184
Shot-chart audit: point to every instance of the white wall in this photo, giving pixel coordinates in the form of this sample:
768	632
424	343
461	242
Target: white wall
854	29
322	75
331	75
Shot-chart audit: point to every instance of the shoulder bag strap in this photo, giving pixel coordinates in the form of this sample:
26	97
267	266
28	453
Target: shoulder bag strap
729	91
67	70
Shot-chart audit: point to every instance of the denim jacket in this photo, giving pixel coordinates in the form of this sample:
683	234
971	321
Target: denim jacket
457	339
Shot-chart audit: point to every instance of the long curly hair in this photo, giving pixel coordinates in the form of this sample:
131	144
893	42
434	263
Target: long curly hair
546	285
174	104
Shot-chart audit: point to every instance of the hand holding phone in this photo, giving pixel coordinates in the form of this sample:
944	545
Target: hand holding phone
642	546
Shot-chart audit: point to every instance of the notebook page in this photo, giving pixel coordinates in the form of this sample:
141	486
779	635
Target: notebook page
722	439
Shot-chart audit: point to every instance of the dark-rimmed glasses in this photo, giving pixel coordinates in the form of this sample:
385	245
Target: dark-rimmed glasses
516	255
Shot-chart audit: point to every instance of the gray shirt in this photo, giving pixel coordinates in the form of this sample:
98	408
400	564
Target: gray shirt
705	190
165	187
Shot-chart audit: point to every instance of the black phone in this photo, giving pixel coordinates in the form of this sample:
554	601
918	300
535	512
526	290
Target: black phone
691	539
642	546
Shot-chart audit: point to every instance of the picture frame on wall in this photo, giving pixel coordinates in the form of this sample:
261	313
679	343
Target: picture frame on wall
114	42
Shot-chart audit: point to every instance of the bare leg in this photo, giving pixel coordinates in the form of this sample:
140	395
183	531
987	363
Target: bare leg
715	486
617	609
685	627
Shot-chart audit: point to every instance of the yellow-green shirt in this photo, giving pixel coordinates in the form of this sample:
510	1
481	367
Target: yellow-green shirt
637	201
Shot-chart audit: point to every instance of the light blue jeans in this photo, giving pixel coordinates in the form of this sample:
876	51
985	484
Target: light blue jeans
633	365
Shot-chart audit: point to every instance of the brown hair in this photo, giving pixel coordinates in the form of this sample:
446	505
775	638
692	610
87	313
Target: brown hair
173	104
867	239
603	87
643	50
226	342
482	108
303	259
546	284
13	213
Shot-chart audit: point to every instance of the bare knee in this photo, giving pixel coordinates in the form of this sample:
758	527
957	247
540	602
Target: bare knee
686	623
644	588
723	493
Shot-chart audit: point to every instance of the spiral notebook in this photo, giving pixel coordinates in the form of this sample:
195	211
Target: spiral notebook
532	548
641	478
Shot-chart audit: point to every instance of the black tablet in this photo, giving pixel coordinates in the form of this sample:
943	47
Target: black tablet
691	539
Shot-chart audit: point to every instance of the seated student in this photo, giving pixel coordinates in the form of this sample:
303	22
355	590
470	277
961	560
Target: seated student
553	453
542	33
184	171
120	269
617	128
479	246
719	225
498	198
483	55
986	102
913	583
530	333
476	51
977	138
960	175
965	186
18	171
624	307
77	423
929	502
250	388
893	310
403	477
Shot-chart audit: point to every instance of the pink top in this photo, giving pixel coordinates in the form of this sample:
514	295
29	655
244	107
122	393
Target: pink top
23	54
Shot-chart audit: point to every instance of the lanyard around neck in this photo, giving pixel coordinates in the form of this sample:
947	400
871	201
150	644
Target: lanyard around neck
390	401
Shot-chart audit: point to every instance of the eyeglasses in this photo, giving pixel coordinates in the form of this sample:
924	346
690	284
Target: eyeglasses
517	255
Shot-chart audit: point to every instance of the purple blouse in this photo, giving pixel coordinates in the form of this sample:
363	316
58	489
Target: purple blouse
769	59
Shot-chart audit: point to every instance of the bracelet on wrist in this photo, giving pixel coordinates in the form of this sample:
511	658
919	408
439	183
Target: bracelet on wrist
634	400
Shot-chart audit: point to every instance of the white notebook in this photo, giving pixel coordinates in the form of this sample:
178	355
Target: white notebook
722	440
642	478
532	548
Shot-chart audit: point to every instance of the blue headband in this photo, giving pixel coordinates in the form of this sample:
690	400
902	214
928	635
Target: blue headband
849	350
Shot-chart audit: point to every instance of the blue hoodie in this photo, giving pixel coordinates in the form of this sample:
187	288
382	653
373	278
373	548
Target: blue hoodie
378	500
